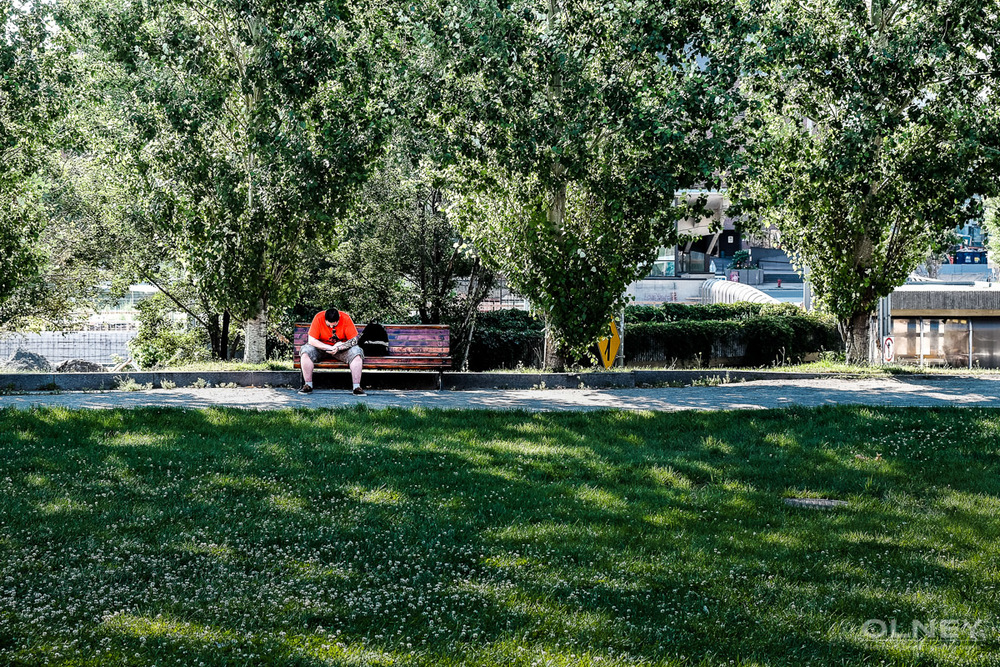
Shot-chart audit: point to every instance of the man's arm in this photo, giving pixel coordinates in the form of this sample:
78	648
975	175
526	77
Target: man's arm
336	347
322	346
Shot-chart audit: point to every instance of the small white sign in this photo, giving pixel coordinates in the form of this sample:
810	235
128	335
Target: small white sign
888	350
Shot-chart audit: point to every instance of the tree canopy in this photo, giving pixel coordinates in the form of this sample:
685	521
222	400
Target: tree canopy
248	126
567	129
870	131
28	103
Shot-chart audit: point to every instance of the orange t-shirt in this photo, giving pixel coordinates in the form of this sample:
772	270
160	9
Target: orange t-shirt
345	329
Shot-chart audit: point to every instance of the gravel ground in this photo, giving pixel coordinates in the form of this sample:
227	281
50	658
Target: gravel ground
757	395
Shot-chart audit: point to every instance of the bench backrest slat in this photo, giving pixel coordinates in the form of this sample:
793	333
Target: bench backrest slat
418	340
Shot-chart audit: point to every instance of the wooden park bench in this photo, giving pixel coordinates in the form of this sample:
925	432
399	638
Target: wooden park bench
412	347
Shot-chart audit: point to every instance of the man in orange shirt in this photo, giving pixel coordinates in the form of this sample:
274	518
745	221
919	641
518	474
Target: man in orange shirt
332	334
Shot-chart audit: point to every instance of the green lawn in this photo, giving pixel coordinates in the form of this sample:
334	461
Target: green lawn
222	537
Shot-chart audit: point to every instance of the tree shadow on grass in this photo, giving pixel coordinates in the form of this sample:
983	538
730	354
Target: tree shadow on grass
467	534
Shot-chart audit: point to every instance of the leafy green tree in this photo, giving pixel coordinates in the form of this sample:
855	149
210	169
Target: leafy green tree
400	253
568	127
103	221
28	104
247	126
871	128
71	250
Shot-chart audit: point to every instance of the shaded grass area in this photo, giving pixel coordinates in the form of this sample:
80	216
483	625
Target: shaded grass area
360	537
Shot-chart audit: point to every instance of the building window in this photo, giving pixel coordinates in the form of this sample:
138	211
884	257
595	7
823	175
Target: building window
663	265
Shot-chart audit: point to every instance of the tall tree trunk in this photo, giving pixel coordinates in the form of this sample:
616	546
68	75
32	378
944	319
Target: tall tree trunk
255	340
481	282
213	335
224	336
554	360
856	331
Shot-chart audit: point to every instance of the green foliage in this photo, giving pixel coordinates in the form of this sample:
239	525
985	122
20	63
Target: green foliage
676	312
745	339
160	341
750	334
244	131
870	130
129	384
991	225
568	129
741	260
28	103
360	275
506	338
399	253
76	251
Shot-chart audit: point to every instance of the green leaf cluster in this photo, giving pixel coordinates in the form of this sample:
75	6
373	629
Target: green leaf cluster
682	312
162	341
29	74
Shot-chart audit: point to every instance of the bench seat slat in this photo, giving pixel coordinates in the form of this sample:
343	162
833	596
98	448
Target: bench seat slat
409	364
441	340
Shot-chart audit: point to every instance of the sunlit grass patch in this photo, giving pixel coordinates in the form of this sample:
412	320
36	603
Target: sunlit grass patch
425	537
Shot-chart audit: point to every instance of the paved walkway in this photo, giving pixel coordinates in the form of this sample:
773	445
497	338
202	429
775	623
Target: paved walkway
953	391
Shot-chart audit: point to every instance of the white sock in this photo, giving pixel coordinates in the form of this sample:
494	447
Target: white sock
356	385
309	383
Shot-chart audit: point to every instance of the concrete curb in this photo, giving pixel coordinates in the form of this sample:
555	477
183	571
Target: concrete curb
418	380
108	381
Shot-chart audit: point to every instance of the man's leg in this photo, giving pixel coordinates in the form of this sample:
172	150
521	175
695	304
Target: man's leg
356	364
307	368
308	356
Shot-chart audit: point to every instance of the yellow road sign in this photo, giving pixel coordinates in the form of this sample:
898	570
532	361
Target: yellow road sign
609	346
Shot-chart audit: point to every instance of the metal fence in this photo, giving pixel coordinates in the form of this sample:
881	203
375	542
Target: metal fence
100	347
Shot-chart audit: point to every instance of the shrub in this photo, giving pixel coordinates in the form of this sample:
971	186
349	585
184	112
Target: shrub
677	312
741	260
160	342
129	384
506	339
747	334
757	341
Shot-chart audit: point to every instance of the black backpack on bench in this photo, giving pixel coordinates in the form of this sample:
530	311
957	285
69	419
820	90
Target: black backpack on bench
374	340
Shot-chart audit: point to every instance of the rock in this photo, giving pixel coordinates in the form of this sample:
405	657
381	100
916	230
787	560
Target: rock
78	366
23	360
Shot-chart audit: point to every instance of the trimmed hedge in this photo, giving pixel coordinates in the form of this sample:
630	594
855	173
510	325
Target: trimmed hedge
749	341
746	334
678	312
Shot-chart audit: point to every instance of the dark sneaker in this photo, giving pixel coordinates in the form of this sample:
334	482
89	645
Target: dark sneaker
360	392
306	389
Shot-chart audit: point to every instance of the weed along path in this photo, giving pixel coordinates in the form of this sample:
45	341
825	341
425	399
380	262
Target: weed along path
762	395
